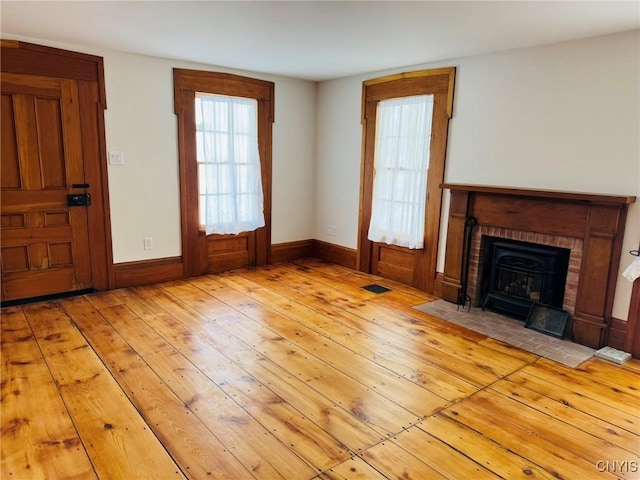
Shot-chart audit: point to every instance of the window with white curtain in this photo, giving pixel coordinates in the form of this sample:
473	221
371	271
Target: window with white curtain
401	162
229	175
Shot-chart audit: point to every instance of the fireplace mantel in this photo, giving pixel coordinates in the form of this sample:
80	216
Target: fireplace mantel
597	219
536	193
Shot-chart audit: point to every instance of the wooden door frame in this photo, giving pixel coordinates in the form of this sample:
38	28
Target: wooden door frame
393	86
186	83
88	70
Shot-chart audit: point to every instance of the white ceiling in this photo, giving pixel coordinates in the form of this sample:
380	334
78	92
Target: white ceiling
315	40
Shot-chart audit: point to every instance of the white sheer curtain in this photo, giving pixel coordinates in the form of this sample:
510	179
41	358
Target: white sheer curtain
401	160
229	175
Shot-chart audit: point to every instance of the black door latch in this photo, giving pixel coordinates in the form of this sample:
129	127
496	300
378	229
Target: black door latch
79	199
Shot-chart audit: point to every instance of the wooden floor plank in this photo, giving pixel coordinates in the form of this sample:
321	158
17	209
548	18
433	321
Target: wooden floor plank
575	398
551	457
264	456
353	469
510	350
591	448
349	429
364	402
290	426
601	391
413	368
14	326
343	425
410	396
116	438
119	443
136	301
361	401
39	439
632	364
329	271
183	434
412	323
381	323
103	299
448	438
610	374
293	371
392	460
447	457
585	422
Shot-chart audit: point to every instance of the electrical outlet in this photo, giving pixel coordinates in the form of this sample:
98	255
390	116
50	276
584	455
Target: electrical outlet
148	243
331	230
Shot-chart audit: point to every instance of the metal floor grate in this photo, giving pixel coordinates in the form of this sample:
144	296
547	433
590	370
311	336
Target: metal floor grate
376	288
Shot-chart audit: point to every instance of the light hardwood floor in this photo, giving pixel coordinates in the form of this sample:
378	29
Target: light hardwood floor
294	371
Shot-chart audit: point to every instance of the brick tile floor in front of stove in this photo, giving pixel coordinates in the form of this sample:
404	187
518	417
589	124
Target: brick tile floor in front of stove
510	331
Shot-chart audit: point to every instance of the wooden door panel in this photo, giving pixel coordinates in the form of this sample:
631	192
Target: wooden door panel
52	154
36	282
395	263
15	259
225	252
10	170
45	247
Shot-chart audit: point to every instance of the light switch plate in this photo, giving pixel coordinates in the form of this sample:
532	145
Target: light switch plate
116	158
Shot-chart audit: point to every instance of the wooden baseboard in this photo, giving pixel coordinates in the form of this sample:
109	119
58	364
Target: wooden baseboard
343	256
449	289
588	331
437	285
617	334
290	251
145	272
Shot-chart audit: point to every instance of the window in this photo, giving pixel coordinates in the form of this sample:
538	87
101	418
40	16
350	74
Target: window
222	146
229	175
405	120
401	161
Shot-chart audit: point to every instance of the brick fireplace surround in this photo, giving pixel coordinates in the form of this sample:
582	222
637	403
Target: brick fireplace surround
591	226
574	245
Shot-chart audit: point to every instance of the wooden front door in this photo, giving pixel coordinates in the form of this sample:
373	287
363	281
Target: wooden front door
45	244
416	267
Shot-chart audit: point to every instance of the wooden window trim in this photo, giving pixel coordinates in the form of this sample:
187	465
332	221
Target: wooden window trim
439	82
186	84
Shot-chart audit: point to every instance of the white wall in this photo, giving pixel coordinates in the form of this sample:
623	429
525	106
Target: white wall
140	121
294	136
338	153
145	192
562	117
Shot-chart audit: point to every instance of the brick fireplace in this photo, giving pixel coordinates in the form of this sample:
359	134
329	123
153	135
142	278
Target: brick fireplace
590	226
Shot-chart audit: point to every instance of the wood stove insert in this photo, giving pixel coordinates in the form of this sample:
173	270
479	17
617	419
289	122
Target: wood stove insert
522	274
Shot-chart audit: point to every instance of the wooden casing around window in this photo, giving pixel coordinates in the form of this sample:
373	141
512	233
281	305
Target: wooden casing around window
414	267
206	254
